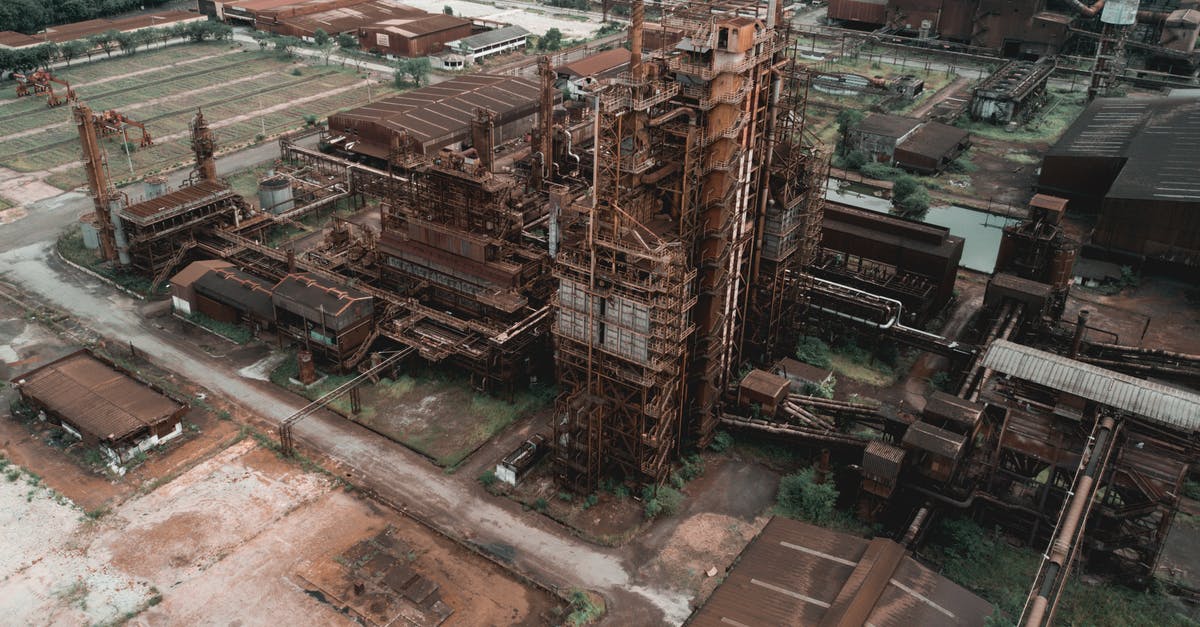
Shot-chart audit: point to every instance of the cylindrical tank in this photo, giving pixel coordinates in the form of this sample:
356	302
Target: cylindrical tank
91	232
1120	12
1063	267
275	195
154	186
307	371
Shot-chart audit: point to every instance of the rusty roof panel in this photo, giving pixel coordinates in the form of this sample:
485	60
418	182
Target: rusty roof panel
798	574
335	306
94	397
1151	400
926	437
179	201
949	407
596	64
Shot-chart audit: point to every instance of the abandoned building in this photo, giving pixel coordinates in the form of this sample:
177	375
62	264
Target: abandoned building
1014	92
860	582
908	143
102	405
323	317
221	292
1134	161
910	261
476	48
428	119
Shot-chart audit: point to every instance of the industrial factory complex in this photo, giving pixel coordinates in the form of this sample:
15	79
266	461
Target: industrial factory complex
876	312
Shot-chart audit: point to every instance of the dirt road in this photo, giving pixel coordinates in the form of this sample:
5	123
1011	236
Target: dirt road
399	475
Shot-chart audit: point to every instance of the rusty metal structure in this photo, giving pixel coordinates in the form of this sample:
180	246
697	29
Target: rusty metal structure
41	82
113	122
703	212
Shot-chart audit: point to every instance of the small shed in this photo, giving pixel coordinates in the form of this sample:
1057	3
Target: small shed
102	405
931	147
762	388
518	463
881	468
954	413
936	450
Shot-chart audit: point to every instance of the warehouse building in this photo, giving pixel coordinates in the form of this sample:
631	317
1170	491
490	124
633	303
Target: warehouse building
416	36
221	292
333	319
476	48
908	143
102	406
794	573
1134	160
436	116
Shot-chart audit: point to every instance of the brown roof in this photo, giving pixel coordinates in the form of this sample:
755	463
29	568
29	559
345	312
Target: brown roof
764	383
437	115
883	460
798	574
596	64
346	19
95	398
793	369
1046	201
423	25
949	407
935	139
887	125
175	202
237	289
193	271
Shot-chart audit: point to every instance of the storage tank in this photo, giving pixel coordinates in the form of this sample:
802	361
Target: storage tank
275	195
154	186
91	232
1120	12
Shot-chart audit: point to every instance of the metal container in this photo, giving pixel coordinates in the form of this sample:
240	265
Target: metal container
275	195
91	232
1120	12
154	186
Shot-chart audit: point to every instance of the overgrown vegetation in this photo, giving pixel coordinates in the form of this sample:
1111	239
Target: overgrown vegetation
584	611
801	497
70	246
235	333
661	501
721	441
984	563
814	351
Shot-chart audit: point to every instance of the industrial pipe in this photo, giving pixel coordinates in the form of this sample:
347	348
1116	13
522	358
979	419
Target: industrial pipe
1080	331
1086	10
1064	539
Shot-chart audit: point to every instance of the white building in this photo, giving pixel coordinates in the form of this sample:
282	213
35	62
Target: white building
478	47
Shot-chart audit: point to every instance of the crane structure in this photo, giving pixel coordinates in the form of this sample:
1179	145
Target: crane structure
113	122
42	82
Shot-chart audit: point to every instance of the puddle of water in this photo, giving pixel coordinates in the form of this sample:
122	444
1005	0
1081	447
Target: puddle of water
980	231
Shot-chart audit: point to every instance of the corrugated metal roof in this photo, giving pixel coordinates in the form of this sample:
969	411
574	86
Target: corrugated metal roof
926	437
798	574
237	289
94	397
337	306
490	37
1150	400
177	201
887	125
595	64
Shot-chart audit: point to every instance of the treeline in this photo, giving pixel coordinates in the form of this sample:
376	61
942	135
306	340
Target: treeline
31	16
26	59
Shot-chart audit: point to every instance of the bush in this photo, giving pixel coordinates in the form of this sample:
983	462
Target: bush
880	171
590	501
662	500
962	165
721	442
801	497
821	390
811	350
941	381
541	504
564	496
905	185
914	204
583	610
488	478
297	72
692	467
855	159
310	120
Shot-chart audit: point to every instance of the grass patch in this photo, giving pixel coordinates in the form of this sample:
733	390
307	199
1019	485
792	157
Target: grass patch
70	246
235	333
1046	126
585	608
846	366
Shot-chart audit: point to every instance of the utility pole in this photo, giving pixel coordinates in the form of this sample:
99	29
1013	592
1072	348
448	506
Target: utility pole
125	145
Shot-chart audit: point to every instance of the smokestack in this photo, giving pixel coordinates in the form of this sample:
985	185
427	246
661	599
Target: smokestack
637	18
1080	331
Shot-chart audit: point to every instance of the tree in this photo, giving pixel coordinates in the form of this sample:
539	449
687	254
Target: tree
552	40
913	205
25	16
73	50
847	120
448	10
104	41
417	68
346	41
855	159
45	54
904	186
285	44
127	42
320	37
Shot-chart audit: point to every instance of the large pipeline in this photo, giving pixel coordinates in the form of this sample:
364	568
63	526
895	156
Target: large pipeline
1056	564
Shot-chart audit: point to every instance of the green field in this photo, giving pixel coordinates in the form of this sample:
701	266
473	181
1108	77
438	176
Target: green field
223	80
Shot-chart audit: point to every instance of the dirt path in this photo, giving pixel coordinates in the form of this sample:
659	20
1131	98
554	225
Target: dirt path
400	476
941	96
146	103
